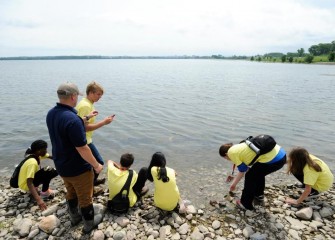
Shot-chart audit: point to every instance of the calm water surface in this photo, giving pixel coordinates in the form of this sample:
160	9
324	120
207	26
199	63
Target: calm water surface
184	108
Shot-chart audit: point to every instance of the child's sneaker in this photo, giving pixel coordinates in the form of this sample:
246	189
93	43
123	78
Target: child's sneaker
314	194
144	191
259	200
48	195
240	205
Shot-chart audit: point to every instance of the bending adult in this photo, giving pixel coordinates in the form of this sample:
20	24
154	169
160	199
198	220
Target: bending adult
85	107
311	171
72	156
254	183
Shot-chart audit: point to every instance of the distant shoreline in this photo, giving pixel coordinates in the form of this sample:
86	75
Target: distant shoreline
89	57
117	57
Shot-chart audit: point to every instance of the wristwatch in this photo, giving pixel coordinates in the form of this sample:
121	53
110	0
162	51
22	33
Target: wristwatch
87	118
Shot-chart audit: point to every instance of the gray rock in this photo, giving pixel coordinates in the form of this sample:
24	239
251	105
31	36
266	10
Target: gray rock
247	231
22	226
305	213
33	233
109	232
119	235
295	223
326	212
258	236
50	210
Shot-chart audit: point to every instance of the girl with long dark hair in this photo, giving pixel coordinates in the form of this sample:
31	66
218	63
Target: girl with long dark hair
311	171
166	194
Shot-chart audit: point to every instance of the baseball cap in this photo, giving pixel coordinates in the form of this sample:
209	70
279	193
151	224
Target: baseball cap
67	89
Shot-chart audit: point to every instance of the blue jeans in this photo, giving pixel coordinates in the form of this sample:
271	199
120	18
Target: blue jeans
96	153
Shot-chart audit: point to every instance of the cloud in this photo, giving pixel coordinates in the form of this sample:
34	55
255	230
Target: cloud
151	27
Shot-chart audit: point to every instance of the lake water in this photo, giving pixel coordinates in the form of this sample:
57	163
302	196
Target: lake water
184	108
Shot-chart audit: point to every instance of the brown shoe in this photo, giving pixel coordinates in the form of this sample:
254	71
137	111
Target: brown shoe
99	181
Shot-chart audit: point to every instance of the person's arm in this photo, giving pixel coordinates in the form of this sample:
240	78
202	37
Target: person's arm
35	194
303	196
94	126
86	154
236	180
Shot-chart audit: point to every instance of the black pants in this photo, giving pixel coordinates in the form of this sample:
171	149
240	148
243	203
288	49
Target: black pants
300	178
44	176
254	182
141	178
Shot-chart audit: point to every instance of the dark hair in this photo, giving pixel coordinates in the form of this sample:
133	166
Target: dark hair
35	146
158	160
297	160
126	160
224	149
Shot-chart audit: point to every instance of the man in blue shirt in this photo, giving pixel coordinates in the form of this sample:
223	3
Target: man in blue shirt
72	156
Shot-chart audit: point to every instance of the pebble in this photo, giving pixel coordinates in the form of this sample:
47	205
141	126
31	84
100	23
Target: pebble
314	219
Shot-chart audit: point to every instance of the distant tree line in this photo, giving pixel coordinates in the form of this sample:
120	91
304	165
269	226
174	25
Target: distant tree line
322	49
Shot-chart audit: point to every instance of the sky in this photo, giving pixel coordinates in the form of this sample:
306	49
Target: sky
163	27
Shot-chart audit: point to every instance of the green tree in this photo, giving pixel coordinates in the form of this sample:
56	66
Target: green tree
309	58
290	59
301	52
333	46
314	49
331	57
252	58
259	59
283	58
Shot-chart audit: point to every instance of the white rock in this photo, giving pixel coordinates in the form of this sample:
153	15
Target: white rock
49	223
183	229
294	234
216	224
122	221
98	235
305	213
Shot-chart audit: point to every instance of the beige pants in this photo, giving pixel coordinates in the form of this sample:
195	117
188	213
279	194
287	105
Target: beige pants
80	187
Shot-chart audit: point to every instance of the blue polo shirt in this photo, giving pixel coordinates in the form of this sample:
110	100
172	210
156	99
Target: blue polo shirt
67	131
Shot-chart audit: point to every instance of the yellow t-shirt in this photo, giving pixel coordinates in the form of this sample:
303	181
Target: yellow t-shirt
241	153
84	108
28	170
320	181
116	181
166	195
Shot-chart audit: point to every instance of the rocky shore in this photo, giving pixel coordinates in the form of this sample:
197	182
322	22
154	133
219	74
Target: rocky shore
217	217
